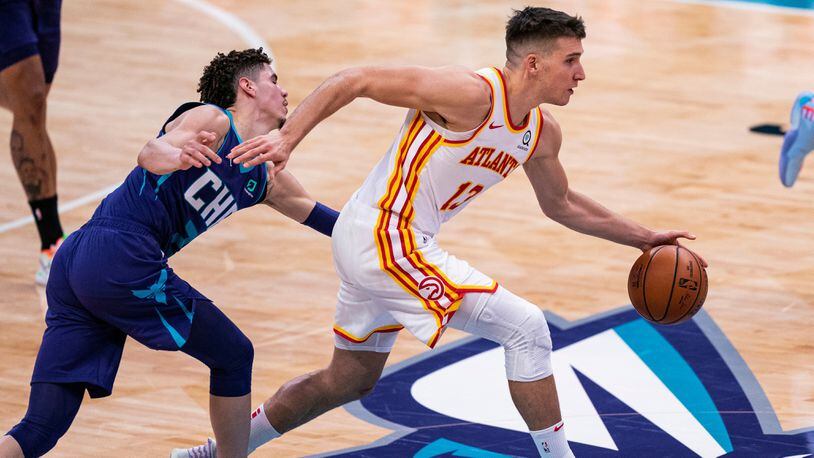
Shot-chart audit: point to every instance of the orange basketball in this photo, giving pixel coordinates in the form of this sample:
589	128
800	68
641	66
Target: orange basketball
667	284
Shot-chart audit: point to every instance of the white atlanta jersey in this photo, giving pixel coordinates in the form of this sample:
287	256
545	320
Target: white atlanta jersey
427	177
430	173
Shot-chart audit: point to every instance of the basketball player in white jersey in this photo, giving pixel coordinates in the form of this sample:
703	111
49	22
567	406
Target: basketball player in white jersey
464	132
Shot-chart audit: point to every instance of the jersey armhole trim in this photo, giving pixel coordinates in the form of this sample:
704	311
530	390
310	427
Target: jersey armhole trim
506	113
232	128
539	133
449	137
186	106
265	183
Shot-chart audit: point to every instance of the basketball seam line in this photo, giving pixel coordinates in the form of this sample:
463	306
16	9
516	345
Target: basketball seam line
644	283
672	287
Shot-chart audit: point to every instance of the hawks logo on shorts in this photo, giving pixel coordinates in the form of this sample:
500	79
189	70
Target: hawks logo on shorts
626	387
431	288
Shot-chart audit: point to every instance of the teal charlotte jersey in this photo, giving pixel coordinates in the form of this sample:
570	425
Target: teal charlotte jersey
111	278
179	206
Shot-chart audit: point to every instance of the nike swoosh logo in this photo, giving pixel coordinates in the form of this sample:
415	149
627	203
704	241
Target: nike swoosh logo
558	427
493	126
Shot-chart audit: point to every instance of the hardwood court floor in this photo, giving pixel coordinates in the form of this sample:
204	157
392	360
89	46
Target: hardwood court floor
658	132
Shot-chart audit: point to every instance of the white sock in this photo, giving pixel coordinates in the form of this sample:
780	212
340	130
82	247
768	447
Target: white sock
261	430
551	442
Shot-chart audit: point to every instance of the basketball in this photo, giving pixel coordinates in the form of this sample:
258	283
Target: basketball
667	284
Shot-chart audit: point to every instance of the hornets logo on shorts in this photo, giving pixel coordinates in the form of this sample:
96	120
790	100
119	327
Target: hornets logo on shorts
626	387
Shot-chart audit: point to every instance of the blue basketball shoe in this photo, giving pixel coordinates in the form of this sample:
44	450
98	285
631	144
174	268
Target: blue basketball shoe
799	140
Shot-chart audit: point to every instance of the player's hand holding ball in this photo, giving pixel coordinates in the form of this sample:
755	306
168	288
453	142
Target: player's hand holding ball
668	283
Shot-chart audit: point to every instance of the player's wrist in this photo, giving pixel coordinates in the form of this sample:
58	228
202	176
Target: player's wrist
646	240
322	218
290	137
177	161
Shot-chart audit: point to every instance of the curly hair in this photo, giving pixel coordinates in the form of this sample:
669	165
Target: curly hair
544	24
218	84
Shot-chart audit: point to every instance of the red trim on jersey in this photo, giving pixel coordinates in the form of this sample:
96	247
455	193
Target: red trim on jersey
483	124
506	105
539	133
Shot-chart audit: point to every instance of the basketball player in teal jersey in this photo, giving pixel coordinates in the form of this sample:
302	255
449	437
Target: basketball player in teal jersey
110	279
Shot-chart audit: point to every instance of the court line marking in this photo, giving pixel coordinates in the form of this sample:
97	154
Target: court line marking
67	206
233	23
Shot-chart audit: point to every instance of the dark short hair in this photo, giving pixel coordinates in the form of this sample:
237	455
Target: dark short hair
218	84
540	24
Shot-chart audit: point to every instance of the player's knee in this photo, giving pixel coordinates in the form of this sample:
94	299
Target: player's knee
217	342
529	327
358	390
351	385
528	350
243	354
232	373
358	386
365	387
31	108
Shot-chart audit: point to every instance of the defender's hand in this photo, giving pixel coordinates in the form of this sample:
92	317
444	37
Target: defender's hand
198	152
271	147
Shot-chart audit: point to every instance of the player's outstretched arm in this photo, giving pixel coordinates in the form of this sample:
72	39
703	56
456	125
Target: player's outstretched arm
286	195
579	212
459	95
190	141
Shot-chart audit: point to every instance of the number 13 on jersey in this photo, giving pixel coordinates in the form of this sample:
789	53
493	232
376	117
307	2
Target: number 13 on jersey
465	192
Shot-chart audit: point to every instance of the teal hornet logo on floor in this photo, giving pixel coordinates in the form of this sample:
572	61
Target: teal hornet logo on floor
626	388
